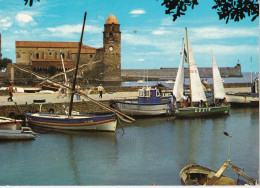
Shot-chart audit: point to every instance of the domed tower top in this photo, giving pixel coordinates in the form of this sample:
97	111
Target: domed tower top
111	19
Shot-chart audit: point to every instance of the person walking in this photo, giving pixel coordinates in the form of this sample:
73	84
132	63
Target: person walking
100	90
10	89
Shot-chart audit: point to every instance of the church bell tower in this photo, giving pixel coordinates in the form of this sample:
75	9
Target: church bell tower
112	50
0	47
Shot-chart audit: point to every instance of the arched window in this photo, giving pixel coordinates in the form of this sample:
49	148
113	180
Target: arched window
37	56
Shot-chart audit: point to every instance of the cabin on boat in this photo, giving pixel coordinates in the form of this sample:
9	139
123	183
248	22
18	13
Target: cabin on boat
153	96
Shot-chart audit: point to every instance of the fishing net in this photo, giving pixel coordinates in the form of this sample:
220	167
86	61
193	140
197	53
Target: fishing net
225	181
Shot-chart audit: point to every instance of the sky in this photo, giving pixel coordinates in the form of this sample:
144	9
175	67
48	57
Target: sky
150	38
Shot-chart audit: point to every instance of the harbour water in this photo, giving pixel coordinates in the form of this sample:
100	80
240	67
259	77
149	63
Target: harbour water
151	151
245	79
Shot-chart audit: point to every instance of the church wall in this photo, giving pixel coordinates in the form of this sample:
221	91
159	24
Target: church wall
26	55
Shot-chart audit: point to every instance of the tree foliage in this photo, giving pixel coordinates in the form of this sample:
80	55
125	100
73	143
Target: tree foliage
30	2
227	9
4	62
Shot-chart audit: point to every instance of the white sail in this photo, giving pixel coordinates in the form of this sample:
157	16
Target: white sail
219	91
197	92
178	85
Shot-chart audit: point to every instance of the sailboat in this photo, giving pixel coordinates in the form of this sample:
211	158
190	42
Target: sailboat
79	121
198	101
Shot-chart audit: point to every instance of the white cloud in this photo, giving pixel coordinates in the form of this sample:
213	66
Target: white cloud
22	19
225	49
158	32
137	12
218	32
68	29
20	32
140	60
7	50
5	23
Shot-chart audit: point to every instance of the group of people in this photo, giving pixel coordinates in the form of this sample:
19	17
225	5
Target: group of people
186	102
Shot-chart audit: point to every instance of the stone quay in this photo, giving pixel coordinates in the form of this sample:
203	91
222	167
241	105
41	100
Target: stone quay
25	101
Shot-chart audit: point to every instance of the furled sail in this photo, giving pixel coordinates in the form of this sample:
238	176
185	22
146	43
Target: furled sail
219	91
197	92
178	85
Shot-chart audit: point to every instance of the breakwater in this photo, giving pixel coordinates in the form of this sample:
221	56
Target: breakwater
166	73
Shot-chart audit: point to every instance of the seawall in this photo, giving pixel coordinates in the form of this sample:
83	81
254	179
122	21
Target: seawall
166	73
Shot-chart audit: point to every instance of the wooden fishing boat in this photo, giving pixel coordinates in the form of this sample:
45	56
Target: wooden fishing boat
74	122
194	174
25	133
10	124
150	102
198	102
71	121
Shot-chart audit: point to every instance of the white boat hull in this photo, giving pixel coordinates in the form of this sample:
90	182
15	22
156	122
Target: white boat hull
10	124
17	134
241	99
107	126
143	109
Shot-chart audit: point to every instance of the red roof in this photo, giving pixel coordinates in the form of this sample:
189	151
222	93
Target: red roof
84	50
44	44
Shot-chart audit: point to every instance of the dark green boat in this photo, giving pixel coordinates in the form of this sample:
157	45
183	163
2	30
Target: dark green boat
202	111
197	101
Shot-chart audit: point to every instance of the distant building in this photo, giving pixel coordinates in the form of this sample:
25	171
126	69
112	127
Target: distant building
42	55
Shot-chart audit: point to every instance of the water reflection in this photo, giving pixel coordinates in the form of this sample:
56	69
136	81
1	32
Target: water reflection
73	162
152	150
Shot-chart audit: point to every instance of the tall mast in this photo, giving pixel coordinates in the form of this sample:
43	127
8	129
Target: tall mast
188	63
65	75
213	77
77	65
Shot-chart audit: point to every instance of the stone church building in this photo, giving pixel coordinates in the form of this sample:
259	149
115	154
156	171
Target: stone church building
39	55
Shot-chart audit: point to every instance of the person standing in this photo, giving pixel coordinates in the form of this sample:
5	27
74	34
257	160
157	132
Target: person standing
100	90
59	92
174	100
77	92
10	89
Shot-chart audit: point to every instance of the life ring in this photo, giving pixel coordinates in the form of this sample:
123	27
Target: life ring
51	110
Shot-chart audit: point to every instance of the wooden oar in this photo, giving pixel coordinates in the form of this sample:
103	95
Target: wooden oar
238	171
68	87
218	174
106	107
